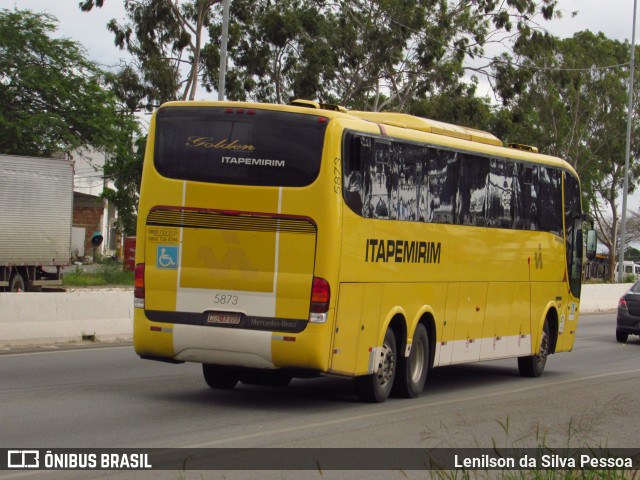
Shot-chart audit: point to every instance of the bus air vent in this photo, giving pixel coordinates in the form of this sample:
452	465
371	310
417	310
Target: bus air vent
526	148
317	105
304	103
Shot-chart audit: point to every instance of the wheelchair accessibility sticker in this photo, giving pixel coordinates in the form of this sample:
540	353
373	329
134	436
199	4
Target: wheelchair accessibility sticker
167	257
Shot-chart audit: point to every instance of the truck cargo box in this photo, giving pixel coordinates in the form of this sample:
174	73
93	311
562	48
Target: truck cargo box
36	198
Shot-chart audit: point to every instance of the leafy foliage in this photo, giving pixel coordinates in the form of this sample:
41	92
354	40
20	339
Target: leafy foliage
276	48
165	38
365	54
569	97
52	98
458	104
125	169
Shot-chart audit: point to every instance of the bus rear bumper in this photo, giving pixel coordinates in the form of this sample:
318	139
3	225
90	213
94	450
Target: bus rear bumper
223	346
234	347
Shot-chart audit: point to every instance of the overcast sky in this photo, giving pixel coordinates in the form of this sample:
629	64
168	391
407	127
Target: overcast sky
613	17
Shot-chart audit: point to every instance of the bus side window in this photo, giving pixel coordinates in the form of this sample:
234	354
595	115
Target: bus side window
501	195
529	220
550	200
422	181
472	190
396	166
410	172
381	189
355	182
354	152
441	173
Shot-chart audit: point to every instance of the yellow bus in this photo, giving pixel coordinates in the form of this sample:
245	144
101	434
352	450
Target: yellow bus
281	241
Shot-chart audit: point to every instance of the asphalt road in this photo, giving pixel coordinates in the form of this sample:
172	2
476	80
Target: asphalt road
106	397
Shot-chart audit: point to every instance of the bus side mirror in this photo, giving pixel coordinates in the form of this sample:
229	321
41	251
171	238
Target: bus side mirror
592	244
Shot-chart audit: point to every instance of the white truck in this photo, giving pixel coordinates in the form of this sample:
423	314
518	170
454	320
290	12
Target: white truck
36	215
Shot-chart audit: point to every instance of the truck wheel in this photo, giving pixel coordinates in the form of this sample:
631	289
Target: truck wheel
220	377
377	387
533	365
412	370
16	284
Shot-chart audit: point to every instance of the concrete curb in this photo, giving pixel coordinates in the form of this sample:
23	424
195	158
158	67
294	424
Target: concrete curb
107	314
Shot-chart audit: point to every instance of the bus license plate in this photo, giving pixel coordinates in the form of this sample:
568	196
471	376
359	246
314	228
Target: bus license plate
223	318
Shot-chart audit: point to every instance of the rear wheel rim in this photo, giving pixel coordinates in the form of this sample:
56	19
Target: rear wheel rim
386	367
541	358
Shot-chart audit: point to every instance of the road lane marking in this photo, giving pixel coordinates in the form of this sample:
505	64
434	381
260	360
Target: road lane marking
402	410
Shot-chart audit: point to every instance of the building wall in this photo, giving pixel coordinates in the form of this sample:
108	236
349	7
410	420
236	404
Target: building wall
99	216
88	213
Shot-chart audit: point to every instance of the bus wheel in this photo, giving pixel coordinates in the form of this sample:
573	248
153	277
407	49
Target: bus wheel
412	370
376	388
220	377
533	365
622	337
16	284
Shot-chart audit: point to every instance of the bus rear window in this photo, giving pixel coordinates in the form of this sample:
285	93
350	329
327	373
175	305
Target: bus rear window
239	147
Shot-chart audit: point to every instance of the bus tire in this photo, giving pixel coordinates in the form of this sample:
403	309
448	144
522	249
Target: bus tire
412	370
376	388
220	377
16	284
622	337
533	365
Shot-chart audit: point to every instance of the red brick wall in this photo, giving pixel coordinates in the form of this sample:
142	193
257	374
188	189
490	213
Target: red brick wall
90	218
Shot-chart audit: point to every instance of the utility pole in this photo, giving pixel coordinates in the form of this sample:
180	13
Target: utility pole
223	48
623	225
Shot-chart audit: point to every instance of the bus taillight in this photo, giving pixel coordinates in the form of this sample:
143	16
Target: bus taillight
320	297
138	291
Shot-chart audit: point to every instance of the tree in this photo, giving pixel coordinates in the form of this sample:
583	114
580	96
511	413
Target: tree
366	54
277	50
52	98
458	104
166	39
569	98
123	165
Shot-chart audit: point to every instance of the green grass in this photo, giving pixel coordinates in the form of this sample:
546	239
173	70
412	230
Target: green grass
538	437
106	274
